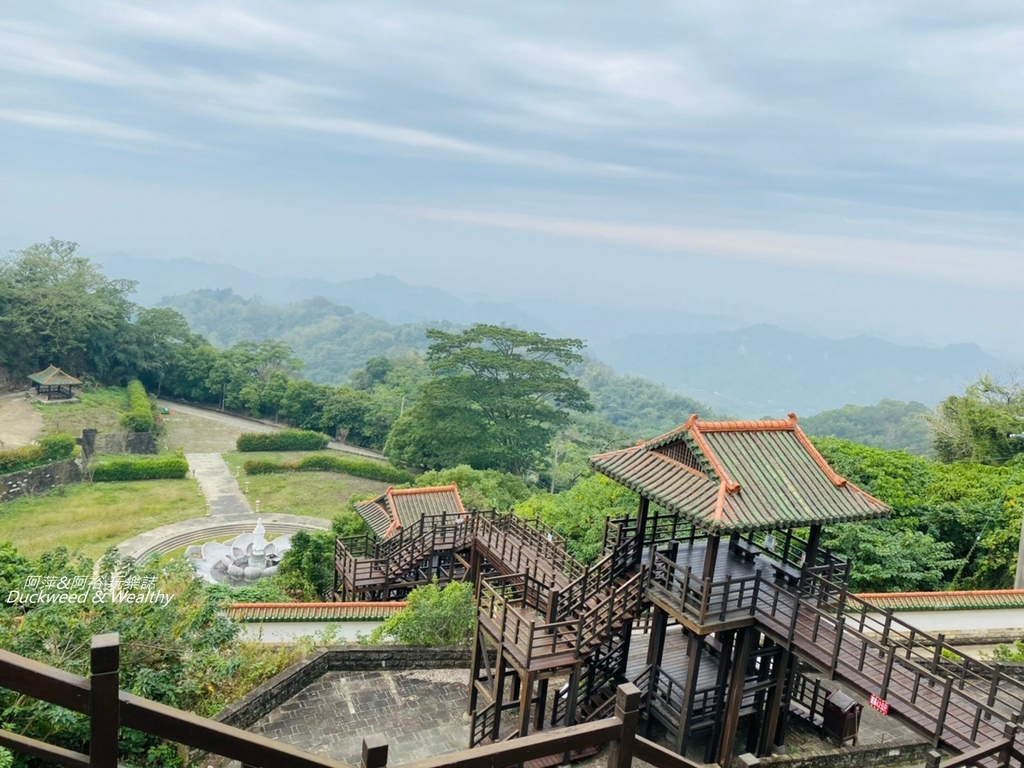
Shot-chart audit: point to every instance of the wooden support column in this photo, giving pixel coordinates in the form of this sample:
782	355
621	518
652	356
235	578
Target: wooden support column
763	673
711	556
525	700
725	662
694	652
499	695
813	539
737	679
642	513
769	725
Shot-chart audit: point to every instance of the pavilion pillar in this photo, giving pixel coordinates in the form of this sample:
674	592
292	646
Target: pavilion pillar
726	661
811	553
641	526
711	556
769	727
737	678
694	651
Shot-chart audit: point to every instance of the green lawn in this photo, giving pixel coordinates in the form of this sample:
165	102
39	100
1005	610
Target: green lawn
317	494
93	517
100	409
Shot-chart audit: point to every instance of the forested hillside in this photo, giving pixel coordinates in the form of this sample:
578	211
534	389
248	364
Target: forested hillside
889	424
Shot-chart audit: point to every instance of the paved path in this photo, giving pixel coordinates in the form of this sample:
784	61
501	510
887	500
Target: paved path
419	712
223	496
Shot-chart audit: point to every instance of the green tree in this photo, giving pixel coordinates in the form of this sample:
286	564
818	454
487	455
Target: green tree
498	397
58	307
977	425
433	617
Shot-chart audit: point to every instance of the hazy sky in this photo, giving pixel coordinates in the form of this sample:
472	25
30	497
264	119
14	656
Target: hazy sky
854	165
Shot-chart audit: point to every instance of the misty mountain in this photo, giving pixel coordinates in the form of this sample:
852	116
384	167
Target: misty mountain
763	370
747	371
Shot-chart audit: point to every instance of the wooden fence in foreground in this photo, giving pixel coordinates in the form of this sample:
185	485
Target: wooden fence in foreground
110	709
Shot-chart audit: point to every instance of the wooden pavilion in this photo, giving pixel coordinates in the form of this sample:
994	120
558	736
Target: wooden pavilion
753	484
54	383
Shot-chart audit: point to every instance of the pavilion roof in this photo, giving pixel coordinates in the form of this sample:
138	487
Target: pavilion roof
399	508
53	376
727	476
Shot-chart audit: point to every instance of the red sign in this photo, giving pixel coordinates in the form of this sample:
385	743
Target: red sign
880	704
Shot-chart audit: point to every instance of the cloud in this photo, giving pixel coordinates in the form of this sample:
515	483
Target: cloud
85	126
998	267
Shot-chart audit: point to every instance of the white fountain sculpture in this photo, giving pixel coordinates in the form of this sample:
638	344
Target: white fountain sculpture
246	558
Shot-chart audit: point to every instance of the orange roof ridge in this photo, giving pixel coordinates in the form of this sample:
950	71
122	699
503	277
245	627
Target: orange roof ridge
428	489
953	592
729	484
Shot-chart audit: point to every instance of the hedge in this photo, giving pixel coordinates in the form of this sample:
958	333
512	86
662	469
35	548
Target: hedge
285	440
49	449
140	410
371	470
159	468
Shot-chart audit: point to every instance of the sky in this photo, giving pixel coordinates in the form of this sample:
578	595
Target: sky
852	166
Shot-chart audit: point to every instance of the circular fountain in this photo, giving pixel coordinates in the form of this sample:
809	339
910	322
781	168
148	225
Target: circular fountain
246	558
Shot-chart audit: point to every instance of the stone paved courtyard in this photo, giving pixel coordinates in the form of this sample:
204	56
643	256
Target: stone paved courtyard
419	712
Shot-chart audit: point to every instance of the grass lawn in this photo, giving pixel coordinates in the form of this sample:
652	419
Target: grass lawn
317	494
100	409
93	517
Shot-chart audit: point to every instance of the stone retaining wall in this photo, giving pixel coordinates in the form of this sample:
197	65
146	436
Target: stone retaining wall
42	479
117	442
891	753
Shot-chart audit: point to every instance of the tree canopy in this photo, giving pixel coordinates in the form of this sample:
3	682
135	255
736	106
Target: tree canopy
497	397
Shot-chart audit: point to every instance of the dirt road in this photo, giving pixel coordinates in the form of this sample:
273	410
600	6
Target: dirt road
20	423
221	429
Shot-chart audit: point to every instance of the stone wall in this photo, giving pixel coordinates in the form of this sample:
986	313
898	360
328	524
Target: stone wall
117	442
30	482
267	697
888	754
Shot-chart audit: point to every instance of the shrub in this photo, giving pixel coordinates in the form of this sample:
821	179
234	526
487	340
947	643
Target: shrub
266	467
371	470
139	417
159	468
57	447
432	617
17	459
285	440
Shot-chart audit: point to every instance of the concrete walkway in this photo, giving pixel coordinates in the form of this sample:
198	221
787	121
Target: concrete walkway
223	496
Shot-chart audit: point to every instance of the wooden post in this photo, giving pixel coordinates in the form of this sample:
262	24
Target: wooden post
375	751
834	662
774	704
627	709
104	704
641	526
947	690
889	659
694	651
737	678
711	556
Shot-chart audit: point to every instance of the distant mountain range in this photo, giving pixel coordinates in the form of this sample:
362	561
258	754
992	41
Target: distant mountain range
746	371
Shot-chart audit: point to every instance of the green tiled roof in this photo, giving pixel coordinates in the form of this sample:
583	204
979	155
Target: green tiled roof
403	507
53	377
739	476
946	601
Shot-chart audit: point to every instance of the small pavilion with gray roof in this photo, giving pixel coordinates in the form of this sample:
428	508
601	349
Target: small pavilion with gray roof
758	485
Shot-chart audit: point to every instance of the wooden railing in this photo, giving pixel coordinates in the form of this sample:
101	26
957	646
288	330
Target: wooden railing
658	530
502	604
889	659
110	709
519	543
704	600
